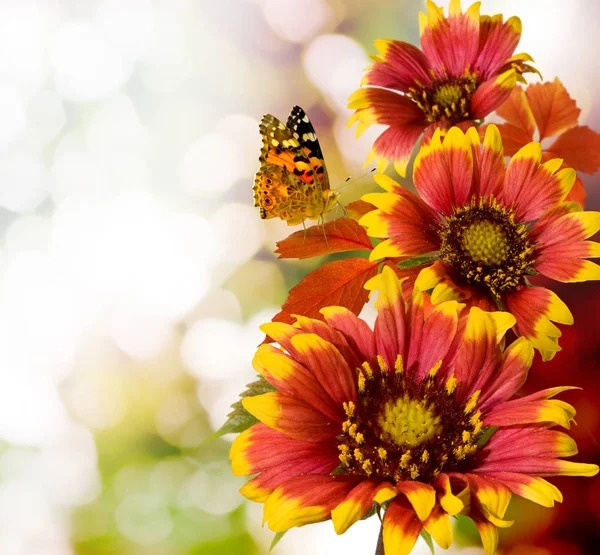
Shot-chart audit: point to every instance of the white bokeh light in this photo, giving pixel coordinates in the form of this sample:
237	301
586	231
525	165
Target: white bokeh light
129	25
335	64
26	30
355	149
138	335
24	182
46	114
240	231
13	115
214	151
115	126
144	518
87	66
220	354
297	21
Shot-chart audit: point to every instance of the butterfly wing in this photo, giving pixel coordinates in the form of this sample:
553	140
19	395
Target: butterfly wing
303	131
286	185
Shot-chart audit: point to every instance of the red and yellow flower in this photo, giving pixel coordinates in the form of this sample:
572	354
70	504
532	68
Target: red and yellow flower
400	418
544	110
465	70
488	227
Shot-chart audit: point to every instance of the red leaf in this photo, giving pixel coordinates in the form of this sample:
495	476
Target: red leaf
579	147
342	235
357	209
517	113
513	138
338	283
554	110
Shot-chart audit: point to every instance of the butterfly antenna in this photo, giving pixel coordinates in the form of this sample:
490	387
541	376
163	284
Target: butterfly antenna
350	179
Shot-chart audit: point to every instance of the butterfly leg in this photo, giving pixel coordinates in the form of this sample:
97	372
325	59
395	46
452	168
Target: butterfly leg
322	224
343	209
304	226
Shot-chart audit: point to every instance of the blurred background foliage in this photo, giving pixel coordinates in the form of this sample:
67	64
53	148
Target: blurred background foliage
134	269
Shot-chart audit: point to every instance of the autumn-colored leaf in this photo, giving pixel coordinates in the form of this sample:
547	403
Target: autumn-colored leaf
338	283
516	111
579	147
342	235
513	138
554	110
357	209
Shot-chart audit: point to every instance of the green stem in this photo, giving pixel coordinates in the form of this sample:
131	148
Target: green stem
379	549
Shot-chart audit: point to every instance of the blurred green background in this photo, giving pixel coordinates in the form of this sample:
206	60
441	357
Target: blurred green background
134	269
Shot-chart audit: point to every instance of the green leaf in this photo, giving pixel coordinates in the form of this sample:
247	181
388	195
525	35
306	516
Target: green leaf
416	261
486	436
239	419
427	537
276	539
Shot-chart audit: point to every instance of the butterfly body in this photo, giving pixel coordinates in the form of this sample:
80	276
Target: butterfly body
292	182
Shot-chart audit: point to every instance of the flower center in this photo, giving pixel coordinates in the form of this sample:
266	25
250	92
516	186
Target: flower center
403	430
483	242
406	421
447	100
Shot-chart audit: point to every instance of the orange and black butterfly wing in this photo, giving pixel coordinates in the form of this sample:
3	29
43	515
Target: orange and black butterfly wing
285	185
302	129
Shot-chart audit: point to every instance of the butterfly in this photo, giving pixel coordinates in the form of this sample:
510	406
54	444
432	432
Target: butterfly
292	181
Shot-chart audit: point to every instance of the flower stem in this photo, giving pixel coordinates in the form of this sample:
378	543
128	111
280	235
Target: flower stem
379	549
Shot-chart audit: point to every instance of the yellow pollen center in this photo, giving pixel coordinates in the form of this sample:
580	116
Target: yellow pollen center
486	243
446	99
405	421
446	95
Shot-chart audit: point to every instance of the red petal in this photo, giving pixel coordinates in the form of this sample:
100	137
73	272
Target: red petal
443	171
291	416
578	193
497	43
516	361
533	187
357	331
357	504
292	378
491	93
452	42
397	144
535	308
278	459
403	218
401	528
336	338
489	168
390	325
385	107
398	66
478	354
515	444
438	335
328	366
306	499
